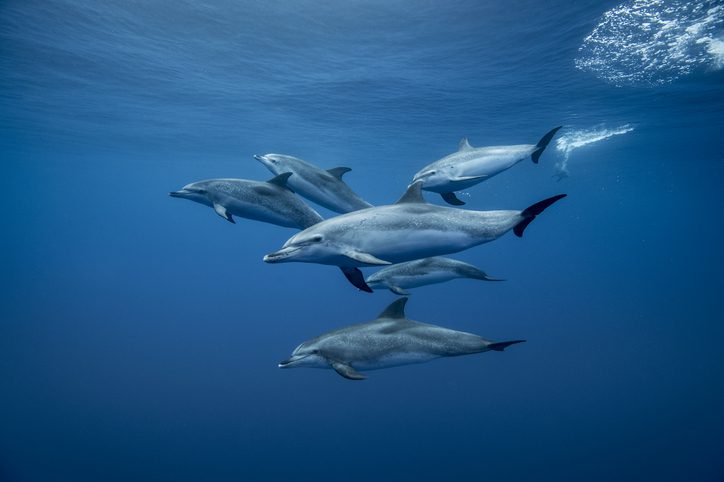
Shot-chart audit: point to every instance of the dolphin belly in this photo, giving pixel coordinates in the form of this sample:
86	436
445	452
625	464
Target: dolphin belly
396	359
434	277
260	213
405	245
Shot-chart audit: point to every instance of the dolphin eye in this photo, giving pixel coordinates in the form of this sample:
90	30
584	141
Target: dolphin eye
316	238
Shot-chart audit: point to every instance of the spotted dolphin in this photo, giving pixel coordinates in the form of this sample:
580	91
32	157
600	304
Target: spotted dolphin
325	188
409	229
421	272
389	340
271	202
472	165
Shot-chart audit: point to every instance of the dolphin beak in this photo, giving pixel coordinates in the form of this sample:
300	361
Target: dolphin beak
289	362
180	193
281	255
259	158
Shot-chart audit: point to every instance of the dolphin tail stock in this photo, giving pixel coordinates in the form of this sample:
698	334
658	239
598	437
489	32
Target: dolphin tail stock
355	276
543	143
502	345
530	213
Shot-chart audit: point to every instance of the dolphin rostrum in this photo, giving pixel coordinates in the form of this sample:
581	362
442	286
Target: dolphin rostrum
472	165
271	202
325	188
409	229
387	341
421	272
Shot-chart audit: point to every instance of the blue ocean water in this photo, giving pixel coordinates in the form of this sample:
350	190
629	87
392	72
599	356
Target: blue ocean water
140	334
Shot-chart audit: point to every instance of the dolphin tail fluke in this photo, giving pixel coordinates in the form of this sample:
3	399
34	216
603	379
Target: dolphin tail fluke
530	213
451	198
543	143
355	276
502	345
483	276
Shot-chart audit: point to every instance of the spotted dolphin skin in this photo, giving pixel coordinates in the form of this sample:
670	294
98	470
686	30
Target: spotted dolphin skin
421	272
270	202
409	229
325	188
389	340
472	165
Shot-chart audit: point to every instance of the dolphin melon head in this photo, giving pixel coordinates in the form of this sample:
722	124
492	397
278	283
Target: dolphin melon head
307	354
309	246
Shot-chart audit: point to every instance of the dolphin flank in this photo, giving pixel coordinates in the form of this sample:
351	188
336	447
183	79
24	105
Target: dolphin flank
271	202
389	340
421	272
325	188
409	229
472	165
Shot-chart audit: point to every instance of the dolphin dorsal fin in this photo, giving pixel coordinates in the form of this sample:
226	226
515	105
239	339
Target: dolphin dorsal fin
281	180
338	172
396	310
413	194
464	145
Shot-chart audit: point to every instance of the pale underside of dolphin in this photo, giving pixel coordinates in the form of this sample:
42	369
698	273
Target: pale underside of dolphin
270	202
324	187
472	165
422	272
407	230
389	340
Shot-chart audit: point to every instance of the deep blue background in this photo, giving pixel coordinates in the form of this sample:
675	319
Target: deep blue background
139	334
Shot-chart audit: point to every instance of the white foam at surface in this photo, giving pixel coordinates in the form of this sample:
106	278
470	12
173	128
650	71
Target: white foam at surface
654	42
571	140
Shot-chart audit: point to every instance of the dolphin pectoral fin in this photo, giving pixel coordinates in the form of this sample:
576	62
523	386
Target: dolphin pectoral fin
451	198
542	144
399	291
366	258
502	345
355	276
346	371
338	172
221	211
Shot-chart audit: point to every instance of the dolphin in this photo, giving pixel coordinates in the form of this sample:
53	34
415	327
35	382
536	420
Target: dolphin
422	272
409	229
389	340
271	202
472	165
325	188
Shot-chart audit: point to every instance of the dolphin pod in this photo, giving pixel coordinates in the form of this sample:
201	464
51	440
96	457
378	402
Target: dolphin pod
409	229
422	272
472	165
408	237
389	340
